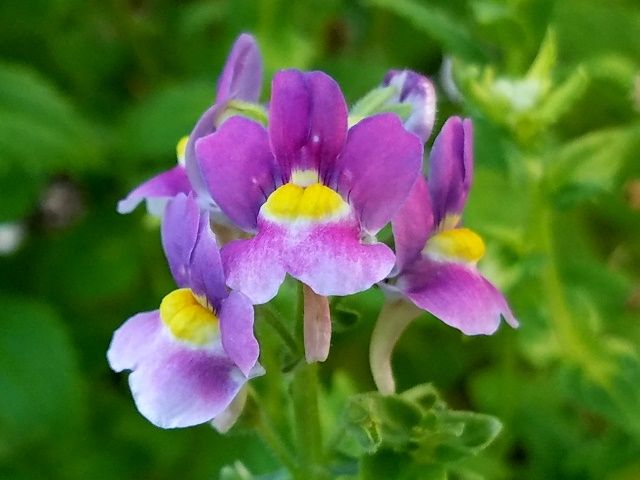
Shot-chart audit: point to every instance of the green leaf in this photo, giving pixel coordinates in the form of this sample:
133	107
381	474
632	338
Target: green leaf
610	387
545	62
40	130
419	424
152	128
591	163
39	376
438	23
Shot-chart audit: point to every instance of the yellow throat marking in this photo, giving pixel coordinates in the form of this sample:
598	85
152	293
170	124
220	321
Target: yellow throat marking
313	202
181	149
188	317
456	244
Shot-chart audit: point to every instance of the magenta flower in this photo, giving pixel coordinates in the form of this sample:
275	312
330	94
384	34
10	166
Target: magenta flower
417	91
314	192
436	256
241	79
190	358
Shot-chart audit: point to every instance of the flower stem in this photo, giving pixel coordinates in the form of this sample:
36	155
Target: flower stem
270	436
307	421
306	415
273	318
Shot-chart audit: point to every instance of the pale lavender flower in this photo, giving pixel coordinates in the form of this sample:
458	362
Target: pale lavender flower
191	357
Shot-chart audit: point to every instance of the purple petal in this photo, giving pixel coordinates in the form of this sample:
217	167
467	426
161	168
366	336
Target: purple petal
456	294
242	74
377	169
241	79
451	168
205	267
236	329
419	92
317	326
238	169
179	234
254	267
307	121
330	258
178	386
205	125
133	340
412	225
165	185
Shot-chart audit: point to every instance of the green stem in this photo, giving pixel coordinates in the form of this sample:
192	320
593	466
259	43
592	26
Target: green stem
271	438
306	414
307	421
572	341
273	318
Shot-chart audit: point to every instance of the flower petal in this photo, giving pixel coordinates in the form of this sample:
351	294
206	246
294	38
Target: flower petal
165	185
236	329
377	168
227	418
419	92
179	230
241	79
178	386
330	258
451	168
307	121
317	326
205	267
133	340
205	125
412	225
456	294
242	74
238	169
254	267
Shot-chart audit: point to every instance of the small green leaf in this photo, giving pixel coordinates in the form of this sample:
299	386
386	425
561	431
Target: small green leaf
419	424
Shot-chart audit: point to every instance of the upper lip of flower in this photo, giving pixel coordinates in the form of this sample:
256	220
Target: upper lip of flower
241	79
308	132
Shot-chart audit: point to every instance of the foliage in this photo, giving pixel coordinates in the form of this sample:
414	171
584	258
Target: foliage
94	96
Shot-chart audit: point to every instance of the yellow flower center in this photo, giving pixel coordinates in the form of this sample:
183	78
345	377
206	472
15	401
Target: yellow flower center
313	202
456	244
181	149
189	317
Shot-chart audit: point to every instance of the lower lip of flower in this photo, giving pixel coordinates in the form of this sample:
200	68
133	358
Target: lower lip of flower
188	317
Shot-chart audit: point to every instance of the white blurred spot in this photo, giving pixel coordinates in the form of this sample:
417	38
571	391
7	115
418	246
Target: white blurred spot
11	236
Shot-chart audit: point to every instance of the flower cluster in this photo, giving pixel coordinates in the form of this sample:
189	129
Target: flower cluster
304	195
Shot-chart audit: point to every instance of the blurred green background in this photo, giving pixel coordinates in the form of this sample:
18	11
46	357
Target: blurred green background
93	98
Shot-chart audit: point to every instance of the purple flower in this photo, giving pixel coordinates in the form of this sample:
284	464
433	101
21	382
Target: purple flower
241	79
190	358
314	192
436	256
419	92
